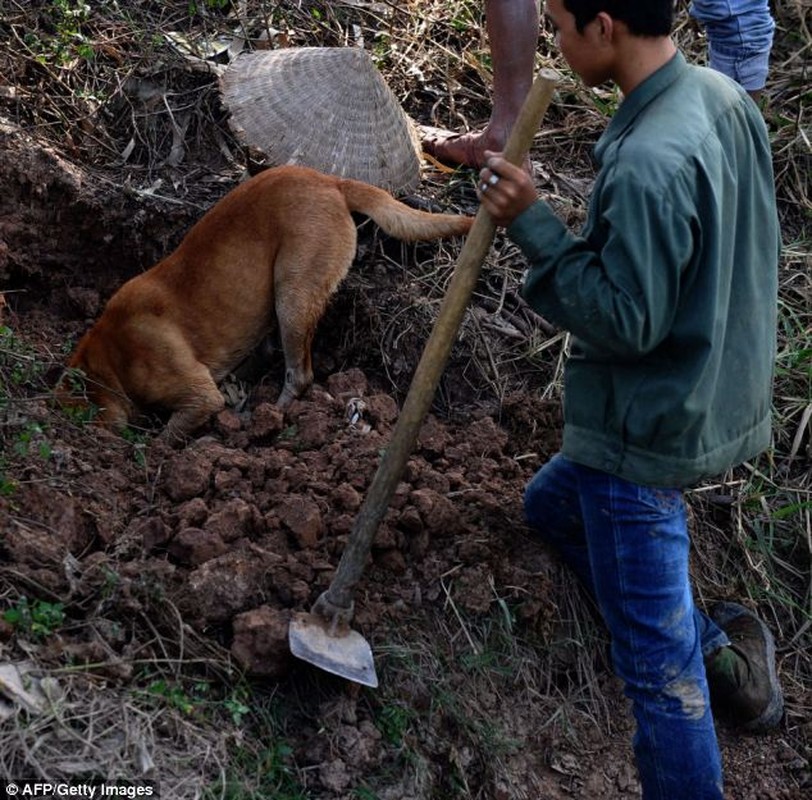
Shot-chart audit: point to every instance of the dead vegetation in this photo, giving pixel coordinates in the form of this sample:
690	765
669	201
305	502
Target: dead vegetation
477	700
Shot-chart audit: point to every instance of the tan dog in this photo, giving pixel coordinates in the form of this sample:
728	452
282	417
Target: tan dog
278	243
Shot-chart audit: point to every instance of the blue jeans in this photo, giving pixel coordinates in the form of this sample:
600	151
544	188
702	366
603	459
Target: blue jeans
740	37
629	546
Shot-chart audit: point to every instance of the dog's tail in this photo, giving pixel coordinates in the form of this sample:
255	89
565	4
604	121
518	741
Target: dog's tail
399	220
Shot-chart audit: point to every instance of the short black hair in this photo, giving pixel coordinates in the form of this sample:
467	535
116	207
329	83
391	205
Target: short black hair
643	17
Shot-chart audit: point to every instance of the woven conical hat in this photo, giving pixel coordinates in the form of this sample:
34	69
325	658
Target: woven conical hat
326	108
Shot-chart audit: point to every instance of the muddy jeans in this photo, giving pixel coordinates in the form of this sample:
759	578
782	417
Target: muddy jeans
740	37
629	546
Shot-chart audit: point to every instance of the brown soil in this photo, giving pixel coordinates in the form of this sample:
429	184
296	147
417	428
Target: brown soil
494	681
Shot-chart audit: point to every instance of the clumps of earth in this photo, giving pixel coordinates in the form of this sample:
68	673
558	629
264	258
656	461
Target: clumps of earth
246	523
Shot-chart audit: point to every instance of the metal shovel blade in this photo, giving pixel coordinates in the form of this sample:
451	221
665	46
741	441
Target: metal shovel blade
344	653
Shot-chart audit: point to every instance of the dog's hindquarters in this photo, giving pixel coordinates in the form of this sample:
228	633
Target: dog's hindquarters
317	251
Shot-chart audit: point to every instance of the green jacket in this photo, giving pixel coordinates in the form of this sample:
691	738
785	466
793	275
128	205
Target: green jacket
670	290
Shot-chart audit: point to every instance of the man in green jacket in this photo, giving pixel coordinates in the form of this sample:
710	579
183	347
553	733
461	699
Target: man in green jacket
670	294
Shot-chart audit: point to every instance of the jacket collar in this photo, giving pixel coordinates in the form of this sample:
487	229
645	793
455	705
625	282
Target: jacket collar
643	94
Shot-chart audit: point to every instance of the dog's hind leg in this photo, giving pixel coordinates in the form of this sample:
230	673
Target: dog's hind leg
297	326
304	281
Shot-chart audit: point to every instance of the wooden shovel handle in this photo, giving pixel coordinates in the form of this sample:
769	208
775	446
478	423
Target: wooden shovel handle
337	601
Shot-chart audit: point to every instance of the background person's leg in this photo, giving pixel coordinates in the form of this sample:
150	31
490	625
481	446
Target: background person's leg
513	31
740	37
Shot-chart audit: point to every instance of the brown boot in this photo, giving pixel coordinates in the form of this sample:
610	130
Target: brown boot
743	684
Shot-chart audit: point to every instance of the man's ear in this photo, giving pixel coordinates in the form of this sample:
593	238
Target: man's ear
606	26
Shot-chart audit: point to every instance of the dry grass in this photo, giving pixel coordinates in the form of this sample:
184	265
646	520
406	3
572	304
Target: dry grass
91	728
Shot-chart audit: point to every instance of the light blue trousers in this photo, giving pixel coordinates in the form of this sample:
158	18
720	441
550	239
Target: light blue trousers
740	36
